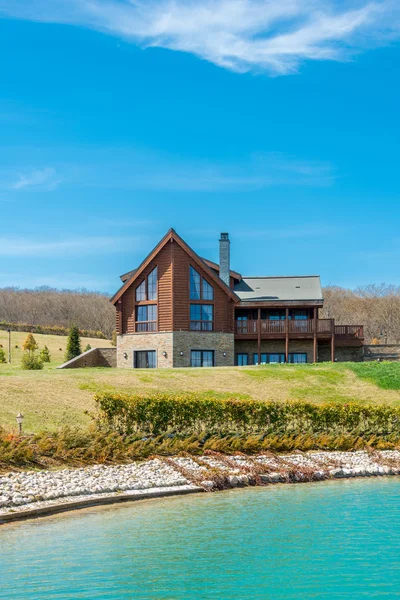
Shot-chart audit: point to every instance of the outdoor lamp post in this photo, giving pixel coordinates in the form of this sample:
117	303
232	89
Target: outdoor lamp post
9	345
20	418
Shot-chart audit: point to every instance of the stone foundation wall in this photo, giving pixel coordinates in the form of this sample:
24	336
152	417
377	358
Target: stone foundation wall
127	344
185	341
342	353
382	352
250	347
96	357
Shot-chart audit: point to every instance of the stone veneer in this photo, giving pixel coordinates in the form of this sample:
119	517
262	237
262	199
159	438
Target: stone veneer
173	343
185	341
129	342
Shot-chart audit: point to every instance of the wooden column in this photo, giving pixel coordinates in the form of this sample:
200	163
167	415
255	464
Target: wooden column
259	335
287	336
315	324
333	341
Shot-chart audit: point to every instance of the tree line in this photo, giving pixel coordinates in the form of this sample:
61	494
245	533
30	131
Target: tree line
377	307
51	307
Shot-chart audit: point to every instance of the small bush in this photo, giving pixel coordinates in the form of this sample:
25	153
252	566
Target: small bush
45	355
2	356
87	347
31	362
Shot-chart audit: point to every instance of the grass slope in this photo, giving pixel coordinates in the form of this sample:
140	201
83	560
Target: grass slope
51	399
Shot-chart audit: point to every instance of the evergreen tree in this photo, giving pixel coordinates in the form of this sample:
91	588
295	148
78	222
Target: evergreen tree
30	344
2	356
114	338
45	355
73	343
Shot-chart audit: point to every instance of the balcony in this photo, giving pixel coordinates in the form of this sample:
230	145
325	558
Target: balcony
325	328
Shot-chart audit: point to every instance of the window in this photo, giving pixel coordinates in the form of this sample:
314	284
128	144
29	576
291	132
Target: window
298	358
300	315
146	359
152	285
146	317
208	291
269	358
200	289
202	358
195	285
147	290
141	291
242	360
201	317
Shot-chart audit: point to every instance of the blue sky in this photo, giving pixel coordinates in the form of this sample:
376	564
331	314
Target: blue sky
275	121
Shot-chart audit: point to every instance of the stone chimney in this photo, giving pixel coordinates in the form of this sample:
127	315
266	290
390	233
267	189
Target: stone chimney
224	258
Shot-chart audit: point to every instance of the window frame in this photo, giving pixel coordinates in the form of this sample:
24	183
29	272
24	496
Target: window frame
135	357
146	325
242	354
202	352
299	362
202	293
204	324
267	361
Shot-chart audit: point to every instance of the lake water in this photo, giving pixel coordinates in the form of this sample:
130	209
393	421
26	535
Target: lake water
315	541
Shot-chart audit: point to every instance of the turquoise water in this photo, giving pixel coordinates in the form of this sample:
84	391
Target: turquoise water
314	541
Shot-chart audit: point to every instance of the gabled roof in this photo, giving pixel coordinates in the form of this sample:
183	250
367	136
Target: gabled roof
172	235
215	267
278	289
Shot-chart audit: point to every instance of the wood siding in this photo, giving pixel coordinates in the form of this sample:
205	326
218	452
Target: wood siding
164	293
223	305
173	295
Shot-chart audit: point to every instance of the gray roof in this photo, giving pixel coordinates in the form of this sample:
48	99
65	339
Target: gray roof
279	289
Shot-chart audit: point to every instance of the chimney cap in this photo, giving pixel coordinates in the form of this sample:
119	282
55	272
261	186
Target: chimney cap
224	236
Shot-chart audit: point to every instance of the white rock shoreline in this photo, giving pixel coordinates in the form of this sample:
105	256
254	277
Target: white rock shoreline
32	493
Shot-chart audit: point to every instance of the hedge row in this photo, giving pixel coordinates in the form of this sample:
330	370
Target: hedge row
189	415
49	329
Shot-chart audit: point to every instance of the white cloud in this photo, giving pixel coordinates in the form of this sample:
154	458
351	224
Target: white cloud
44	179
275	36
21	247
147	171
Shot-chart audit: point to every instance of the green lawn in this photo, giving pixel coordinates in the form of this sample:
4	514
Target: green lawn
52	398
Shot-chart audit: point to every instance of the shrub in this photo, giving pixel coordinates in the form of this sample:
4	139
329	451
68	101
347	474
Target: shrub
45	355
30	344
87	347
191	415
2	356
31	362
114	338
73	344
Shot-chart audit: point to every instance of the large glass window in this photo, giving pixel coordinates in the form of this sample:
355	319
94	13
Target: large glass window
242	360
146	317
195	285
208	291
200	289
268	358
141	291
201	317
149	292
202	358
146	359
298	357
152	285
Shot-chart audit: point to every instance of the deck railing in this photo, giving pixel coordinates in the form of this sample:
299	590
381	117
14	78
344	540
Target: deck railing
304	326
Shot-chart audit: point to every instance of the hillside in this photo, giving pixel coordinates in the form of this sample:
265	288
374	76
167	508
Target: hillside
377	307
52	398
